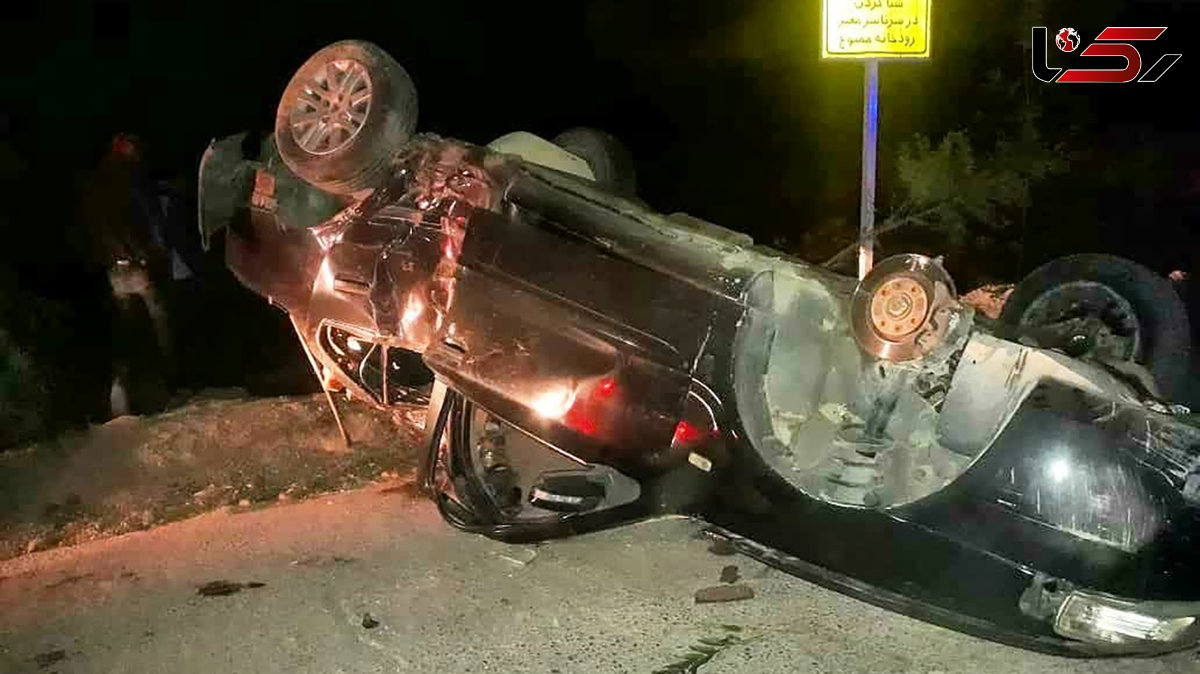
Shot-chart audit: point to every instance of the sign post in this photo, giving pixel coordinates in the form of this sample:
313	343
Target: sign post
866	203
871	30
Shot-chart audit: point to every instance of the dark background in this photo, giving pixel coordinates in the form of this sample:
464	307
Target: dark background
726	106
728	110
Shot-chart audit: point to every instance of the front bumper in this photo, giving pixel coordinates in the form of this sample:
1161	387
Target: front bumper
1036	634
1073	493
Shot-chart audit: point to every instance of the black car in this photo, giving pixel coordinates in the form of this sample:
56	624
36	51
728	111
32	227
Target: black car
588	362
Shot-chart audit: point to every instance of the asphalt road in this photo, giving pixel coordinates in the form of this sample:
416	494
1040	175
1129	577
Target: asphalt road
443	601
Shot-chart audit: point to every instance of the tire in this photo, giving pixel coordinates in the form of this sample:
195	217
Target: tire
610	161
355	152
1161	317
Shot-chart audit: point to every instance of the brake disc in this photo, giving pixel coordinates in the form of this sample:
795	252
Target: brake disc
900	310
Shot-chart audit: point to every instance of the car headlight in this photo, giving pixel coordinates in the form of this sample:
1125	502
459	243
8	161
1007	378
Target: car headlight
1106	620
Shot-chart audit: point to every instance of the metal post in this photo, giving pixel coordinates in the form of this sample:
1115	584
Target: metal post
866	213
316	367
436	416
384	357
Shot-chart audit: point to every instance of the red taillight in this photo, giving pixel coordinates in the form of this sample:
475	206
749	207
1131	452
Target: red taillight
585	425
595	407
606	387
685	434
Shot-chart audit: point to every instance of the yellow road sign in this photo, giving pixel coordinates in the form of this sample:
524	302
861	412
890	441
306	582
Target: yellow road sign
869	29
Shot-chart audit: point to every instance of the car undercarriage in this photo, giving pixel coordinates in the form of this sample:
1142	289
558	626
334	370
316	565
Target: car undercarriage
588	362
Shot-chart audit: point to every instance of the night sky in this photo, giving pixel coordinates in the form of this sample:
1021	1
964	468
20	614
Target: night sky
729	112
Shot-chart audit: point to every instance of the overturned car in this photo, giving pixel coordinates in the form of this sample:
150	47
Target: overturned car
588	362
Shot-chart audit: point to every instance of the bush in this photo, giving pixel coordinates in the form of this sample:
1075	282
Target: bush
24	397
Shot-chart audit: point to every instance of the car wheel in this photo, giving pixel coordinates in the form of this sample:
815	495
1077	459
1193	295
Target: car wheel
610	161
343	115
1108	308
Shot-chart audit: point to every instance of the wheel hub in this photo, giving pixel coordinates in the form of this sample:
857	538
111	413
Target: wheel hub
895	309
331	107
898	307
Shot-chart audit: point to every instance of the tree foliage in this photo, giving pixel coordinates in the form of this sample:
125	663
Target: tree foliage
956	189
962	192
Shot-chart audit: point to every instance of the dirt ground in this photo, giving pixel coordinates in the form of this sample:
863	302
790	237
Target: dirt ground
220	449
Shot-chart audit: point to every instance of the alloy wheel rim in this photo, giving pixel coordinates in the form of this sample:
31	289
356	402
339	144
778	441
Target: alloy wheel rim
332	107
